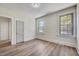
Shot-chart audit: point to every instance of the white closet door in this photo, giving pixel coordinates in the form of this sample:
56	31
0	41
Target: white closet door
4	30
10	29
19	31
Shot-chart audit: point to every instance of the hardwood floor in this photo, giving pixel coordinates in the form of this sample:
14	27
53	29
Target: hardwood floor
36	48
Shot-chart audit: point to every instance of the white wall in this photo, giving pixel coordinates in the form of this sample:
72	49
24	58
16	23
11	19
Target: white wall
17	15
29	27
51	32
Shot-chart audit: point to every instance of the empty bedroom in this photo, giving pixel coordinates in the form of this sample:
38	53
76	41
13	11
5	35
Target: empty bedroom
39	29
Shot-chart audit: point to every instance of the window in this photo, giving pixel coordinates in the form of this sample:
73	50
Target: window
40	25
66	25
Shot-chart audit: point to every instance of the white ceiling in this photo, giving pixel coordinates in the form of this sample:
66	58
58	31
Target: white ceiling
44	8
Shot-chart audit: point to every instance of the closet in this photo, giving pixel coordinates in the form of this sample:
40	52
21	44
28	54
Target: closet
5	29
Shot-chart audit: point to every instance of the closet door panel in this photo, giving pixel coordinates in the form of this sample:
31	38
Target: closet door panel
4	30
19	31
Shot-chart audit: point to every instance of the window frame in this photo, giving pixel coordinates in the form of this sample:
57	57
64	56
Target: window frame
67	26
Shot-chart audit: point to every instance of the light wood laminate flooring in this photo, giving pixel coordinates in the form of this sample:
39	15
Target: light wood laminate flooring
36	47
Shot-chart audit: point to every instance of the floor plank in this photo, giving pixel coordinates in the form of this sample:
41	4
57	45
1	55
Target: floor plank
36	47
